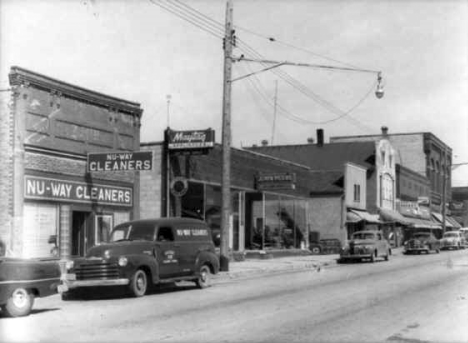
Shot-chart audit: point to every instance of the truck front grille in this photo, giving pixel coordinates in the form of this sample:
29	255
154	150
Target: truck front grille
92	270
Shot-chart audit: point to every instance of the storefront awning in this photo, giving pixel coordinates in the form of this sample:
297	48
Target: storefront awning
440	219
352	218
366	216
452	221
391	216
417	223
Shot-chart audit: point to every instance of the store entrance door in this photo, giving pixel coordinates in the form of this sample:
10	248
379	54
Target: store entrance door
80	227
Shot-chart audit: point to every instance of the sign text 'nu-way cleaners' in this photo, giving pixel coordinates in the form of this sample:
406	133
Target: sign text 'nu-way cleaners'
71	191
120	161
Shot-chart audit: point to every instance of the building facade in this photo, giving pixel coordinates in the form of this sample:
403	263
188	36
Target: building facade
423	153
276	204
48	128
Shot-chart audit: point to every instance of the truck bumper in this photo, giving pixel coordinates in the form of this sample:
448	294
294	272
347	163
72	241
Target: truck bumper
68	283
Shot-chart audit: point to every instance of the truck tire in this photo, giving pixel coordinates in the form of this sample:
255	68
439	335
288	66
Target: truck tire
204	277
19	303
139	283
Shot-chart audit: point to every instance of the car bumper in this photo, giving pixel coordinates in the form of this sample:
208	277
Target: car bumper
355	256
69	282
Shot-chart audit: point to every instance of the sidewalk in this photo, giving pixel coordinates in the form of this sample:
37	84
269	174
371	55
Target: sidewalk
253	267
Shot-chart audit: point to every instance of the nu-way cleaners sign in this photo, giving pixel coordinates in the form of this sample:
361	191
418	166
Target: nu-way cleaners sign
119	161
71	191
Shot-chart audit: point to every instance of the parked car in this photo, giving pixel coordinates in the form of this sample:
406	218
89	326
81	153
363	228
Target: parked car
22	280
452	240
421	242
142	253
366	245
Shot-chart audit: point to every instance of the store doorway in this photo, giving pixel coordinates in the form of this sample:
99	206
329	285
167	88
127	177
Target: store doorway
80	224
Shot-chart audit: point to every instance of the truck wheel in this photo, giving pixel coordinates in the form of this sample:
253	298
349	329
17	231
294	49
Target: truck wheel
19	303
204	277
139	283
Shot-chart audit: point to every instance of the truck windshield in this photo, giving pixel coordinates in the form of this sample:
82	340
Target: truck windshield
133	231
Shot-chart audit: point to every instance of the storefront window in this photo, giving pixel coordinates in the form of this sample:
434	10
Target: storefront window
278	222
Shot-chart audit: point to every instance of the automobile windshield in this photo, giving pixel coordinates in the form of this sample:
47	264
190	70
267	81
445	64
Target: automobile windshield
421	236
450	235
133	231
363	235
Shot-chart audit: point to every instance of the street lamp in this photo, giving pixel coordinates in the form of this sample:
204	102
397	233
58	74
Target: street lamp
379	92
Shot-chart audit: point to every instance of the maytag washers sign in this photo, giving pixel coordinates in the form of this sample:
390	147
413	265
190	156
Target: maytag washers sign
120	161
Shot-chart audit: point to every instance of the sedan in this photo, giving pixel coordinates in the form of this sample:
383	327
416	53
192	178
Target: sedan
421	242
21	280
452	240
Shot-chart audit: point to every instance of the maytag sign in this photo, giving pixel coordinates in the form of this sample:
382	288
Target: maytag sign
120	161
191	141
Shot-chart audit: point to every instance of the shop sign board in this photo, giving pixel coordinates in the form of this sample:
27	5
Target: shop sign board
414	209
120	161
275	181
191	141
42	188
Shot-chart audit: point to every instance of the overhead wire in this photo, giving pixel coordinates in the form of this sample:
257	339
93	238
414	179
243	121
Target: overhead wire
216	29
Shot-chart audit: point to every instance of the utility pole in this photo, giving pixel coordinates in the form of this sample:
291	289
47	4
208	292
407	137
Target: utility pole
444	191
226	144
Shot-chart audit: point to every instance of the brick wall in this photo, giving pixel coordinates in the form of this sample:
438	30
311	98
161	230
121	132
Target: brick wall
6	171
151	189
325	216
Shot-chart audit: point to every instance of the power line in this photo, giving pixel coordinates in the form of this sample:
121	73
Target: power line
275	40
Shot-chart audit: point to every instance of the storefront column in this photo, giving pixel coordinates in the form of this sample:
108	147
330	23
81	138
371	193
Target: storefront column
65	232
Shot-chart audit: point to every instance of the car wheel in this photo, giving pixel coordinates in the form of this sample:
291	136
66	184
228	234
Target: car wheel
204	277
437	251
372	258
315	250
19	303
139	283
386	257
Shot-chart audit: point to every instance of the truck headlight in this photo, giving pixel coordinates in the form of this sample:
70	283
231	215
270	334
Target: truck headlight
123	261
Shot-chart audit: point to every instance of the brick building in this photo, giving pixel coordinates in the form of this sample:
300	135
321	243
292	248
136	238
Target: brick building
423	153
47	128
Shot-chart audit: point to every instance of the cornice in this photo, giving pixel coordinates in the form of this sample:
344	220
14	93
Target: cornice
20	76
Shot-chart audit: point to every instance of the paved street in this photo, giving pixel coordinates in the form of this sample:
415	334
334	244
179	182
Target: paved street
409	299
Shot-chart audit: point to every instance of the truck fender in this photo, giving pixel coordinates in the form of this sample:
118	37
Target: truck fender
148	262
206	257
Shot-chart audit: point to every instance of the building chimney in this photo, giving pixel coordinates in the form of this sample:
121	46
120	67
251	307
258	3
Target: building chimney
319	137
264	142
310	140
384	130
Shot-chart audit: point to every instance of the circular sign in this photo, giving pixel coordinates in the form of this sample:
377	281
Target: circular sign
179	186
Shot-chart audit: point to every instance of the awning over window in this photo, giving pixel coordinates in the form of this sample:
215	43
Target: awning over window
452	221
390	216
417	223
440	219
352	217
366	216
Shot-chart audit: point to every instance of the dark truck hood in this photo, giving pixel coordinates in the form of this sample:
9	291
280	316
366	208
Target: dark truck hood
121	248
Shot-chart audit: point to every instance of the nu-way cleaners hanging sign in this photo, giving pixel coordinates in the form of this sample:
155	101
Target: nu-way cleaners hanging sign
70	191
119	161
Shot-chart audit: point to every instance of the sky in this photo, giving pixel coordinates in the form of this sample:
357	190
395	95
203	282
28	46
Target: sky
167	55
